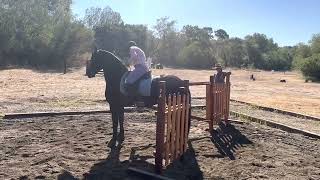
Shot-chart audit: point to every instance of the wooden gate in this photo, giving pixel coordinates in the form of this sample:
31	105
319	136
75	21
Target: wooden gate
172	126
217	101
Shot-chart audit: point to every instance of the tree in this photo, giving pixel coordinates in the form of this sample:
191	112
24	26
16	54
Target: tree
221	34
196	56
236	53
98	17
279	59
300	52
310	68
315	43
37	32
194	33
167	50
307	58
257	45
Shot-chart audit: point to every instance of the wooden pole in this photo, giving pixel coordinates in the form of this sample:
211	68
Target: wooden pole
228	96
87	67
210	99
178	125
183	120
187	108
174	128
64	66
188	103
160	128
169	132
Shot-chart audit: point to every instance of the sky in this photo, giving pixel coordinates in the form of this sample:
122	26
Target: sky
288	22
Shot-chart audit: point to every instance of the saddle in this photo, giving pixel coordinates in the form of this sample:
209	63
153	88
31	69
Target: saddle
141	87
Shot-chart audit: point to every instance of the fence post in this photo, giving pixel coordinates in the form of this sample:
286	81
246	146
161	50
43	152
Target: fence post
227	96
209	104
160	128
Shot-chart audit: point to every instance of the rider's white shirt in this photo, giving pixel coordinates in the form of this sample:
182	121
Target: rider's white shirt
137	56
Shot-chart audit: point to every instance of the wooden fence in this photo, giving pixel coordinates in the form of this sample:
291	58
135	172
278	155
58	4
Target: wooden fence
173	118
217	100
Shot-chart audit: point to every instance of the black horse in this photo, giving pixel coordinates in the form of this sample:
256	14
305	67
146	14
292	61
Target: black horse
113	70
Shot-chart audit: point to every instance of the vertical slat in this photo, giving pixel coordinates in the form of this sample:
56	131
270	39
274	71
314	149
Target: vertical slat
220	102
187	122
169	131
182	123
212	100
178	126
217	103
226	105
214	106
224	101
160	128
173	131
228	96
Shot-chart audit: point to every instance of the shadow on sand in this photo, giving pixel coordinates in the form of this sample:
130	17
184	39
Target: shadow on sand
226	138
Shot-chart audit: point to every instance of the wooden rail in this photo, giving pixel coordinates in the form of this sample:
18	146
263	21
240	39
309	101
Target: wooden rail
198	83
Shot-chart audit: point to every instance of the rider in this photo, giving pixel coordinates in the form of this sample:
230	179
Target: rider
138	60
219	77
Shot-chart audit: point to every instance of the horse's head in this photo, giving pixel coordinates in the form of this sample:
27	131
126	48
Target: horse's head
94	65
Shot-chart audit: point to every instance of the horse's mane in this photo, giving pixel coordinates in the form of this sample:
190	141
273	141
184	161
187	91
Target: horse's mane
114	58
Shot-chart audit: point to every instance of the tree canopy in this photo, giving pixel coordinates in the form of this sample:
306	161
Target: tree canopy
45	33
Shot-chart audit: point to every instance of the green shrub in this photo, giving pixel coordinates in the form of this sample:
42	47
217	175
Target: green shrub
310	67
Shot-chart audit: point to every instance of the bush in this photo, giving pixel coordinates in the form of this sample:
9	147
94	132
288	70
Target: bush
310	67
277	60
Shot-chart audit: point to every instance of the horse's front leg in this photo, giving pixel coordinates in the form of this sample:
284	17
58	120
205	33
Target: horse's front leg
121	120
115	118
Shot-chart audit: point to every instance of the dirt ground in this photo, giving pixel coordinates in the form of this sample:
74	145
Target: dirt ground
24	90
71	147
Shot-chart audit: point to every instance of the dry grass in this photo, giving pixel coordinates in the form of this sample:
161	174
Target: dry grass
26	90
294	95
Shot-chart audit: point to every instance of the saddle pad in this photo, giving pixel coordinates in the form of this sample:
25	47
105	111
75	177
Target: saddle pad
144	87
122	83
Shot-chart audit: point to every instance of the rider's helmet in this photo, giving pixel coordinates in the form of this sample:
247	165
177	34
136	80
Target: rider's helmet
132	43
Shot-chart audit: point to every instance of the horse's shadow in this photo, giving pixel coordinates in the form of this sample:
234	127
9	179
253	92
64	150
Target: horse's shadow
110	168
113	168
227	139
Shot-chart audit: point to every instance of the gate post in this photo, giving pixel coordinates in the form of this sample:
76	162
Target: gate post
227	96
160	128
209	103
